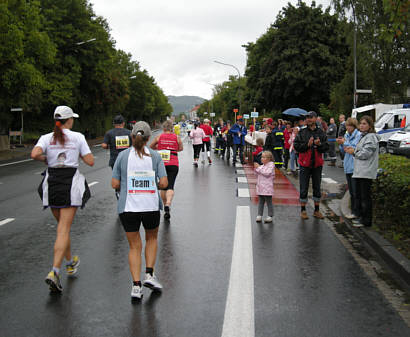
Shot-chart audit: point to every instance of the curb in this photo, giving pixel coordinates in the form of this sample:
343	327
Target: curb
392	258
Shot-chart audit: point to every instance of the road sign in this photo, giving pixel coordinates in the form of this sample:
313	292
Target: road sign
206	112
245	116
212	114
235	110
16	109
254	114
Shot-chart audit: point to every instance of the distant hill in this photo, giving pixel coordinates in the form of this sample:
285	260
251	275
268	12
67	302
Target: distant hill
184	103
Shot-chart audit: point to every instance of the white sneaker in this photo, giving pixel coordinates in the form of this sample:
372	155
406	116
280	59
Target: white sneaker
357	224
268	219
350	216
152	282
136	292
259	218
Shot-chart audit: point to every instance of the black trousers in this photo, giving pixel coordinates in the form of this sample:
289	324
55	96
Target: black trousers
364	199
286	158
278	157
235	150
304	177
197	150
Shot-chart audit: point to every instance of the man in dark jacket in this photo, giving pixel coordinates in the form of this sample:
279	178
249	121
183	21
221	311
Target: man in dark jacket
238	131
331	139
311	143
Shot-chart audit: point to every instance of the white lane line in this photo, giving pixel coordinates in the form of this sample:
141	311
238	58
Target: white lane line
3	222
329	181
240	172
16	162
238	165
93	183
243	193
239	319
242	180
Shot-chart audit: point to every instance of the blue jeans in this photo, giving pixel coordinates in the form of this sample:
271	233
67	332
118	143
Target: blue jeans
293	159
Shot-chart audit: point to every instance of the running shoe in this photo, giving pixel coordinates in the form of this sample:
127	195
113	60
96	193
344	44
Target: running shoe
152	282
259	218
304	215
167	215
136	292
72	267
268	219
53	280
357	224
209	161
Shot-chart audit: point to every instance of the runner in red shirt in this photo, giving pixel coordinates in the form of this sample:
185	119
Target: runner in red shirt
207	141
168	145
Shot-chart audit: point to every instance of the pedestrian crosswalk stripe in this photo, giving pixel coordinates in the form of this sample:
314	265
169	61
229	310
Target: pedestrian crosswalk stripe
242	180
329	181
240	172
238	165
5	221
243	193
239	318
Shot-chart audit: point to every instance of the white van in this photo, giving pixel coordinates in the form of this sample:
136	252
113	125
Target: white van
389	123
399	143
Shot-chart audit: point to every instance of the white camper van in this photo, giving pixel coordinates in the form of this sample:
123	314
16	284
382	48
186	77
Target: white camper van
389	123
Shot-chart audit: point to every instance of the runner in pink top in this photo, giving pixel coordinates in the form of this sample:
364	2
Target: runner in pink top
197	135
168	145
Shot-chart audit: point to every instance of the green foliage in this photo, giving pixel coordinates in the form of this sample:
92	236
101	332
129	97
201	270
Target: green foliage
42	65
298	59
391	195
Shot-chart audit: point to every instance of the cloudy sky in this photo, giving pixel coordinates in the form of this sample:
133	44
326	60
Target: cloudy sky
178	40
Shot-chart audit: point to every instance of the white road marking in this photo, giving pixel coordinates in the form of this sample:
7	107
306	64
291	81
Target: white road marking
239	318
238	165
243	193
97	145
240	172
329	181
93	183
3	222
242	180
16	162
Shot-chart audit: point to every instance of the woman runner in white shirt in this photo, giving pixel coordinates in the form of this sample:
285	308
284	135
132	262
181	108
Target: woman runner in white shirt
63	188
140	172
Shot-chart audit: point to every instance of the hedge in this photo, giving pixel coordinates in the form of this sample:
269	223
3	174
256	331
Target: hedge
391	194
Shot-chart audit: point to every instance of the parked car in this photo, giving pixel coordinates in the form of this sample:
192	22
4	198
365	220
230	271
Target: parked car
390	123
399	143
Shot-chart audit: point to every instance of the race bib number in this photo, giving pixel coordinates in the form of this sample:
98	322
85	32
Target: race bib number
122	142
165	155
141	182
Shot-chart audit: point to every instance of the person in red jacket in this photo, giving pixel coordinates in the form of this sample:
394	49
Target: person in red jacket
311	143
207	140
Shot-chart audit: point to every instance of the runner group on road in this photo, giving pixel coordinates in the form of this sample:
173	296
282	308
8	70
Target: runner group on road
144	175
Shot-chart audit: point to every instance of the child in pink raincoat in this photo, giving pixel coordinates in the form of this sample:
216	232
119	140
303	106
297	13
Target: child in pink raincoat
264	186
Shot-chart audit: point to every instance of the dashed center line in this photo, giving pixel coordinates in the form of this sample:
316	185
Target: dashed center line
243	193
240	172
93	183
5	221
242	180
16	162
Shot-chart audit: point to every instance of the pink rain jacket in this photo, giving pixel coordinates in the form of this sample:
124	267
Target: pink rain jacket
266	174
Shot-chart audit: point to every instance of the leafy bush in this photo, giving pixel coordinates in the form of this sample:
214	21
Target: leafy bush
391	195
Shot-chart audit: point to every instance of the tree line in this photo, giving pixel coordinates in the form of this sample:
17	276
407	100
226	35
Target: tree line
59	52
305	59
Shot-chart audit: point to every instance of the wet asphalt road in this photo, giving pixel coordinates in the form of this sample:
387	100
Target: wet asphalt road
305	282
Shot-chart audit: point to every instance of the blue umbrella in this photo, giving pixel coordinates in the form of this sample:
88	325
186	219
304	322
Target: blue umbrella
296	112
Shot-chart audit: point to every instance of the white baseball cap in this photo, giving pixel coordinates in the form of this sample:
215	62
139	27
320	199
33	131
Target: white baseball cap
64	112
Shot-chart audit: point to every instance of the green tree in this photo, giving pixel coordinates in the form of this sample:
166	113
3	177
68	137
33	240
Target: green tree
298	59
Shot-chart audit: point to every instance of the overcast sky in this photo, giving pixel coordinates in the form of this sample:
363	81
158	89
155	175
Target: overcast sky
177	40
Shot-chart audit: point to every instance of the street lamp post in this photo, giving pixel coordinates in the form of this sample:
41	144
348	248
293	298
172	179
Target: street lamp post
239	82
354	57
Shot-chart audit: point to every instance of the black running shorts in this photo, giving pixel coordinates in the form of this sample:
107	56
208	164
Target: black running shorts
131	221
172	172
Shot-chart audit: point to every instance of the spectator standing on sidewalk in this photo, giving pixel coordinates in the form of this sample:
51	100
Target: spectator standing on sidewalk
286	135
264	186
269	140
340	134
331	139
366	162
278	142
257	153
293	153
311	143
351	138
239	132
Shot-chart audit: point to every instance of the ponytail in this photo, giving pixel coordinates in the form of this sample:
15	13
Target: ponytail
139	141
58	135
